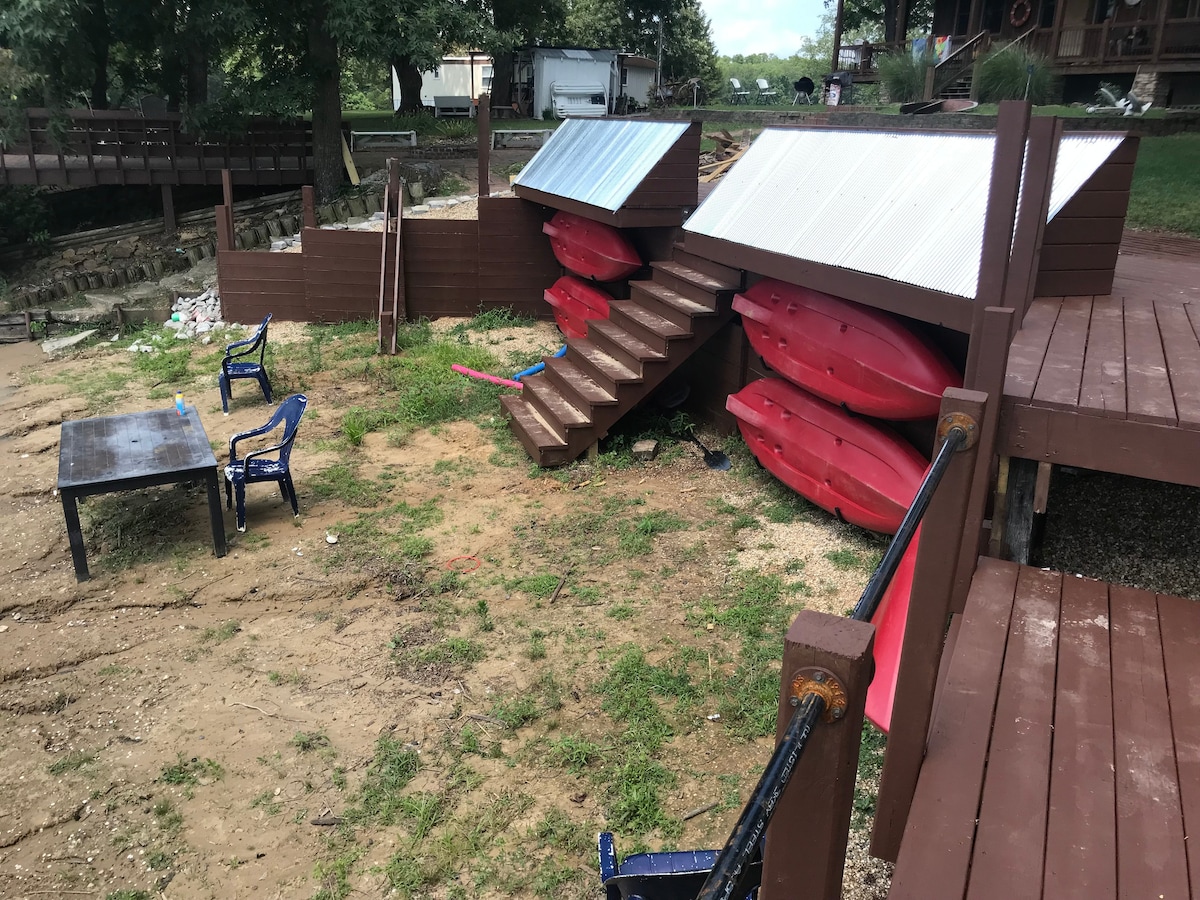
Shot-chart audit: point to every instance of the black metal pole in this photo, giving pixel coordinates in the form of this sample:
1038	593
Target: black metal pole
873	593
727	879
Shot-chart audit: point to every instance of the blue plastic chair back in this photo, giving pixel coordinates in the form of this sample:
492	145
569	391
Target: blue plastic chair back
235	364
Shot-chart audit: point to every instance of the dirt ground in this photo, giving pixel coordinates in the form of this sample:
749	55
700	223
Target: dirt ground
155	717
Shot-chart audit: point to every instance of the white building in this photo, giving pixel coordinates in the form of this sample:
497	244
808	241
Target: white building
468	76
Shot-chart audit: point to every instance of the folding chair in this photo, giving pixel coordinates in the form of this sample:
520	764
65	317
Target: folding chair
740	95
766	93
255	466
804	88
231	368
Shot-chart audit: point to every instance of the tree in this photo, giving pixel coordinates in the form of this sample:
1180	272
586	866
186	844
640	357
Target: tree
874	19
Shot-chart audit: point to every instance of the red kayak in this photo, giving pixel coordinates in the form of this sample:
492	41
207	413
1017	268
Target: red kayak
591	249
845	352
574	302
850	467
889	621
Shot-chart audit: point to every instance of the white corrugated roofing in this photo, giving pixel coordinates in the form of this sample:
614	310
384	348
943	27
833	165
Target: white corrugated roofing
599	162
905	206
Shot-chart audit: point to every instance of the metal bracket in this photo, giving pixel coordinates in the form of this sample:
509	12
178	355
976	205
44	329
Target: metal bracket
959	420
815	680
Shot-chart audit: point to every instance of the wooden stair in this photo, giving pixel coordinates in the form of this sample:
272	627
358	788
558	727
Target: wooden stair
577	398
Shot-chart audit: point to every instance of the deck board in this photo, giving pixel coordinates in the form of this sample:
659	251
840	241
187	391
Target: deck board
941	824
1081	858
1149	385
1028	350
1182	351
1103	390
1086	777
1062	372
1151	854
1009	842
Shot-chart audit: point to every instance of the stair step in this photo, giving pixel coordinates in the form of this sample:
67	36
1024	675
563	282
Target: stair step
669	303
649	327
536	435
722	273
702	280
600	366
573	380
622	346
551	405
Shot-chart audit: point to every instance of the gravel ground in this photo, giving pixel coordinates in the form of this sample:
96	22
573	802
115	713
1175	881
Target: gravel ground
1125	530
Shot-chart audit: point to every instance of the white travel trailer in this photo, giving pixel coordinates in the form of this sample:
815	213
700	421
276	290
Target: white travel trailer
464	76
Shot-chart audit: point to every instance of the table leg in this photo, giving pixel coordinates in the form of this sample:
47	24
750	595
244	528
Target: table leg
75	536
216	514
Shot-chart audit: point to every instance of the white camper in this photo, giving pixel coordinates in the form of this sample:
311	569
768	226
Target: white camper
561	81
464	77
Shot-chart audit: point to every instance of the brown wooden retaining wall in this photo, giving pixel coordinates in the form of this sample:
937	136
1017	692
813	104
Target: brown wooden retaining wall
452	267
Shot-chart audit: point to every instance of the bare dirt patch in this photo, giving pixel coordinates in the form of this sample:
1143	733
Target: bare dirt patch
482	671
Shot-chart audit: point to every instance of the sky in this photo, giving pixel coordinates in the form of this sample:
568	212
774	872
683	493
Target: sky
762	26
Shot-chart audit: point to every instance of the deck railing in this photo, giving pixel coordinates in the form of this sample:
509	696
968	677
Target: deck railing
85	147
816	695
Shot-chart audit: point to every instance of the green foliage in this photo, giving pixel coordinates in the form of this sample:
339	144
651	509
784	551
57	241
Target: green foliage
379	800
72	761
1004	75
903	75
190	772
307	741
23	213
1166	185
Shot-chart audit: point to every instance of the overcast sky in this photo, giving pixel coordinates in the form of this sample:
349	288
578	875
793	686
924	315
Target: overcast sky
762	26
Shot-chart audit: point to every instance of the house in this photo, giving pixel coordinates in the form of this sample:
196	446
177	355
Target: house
464	75
638	75
1151	47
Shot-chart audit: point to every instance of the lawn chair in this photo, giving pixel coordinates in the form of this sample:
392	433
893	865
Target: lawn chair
231	368
804	88
740	95
766	93
254	467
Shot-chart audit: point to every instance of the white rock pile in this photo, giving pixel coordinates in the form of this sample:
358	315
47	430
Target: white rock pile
192	316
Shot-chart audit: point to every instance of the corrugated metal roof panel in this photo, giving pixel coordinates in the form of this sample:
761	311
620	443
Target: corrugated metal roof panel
905	206
599	162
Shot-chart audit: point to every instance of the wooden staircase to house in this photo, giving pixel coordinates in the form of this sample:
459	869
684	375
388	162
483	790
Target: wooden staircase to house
578	397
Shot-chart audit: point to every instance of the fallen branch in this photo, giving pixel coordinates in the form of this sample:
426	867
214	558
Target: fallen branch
698	811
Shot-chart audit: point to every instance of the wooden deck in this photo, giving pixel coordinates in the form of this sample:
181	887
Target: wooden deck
1113	383
1064	753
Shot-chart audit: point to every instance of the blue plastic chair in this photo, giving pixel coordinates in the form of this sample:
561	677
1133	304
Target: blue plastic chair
232	368
256	467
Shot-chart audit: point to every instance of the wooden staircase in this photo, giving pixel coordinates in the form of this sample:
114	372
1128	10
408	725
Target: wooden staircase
577	398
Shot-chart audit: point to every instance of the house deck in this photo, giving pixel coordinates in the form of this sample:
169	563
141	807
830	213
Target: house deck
1112	383
1064	752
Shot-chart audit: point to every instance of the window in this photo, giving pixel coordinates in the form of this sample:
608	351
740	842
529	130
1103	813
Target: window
624	76
437	72
488	71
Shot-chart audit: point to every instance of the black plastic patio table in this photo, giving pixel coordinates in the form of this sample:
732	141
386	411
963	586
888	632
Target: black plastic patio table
137	450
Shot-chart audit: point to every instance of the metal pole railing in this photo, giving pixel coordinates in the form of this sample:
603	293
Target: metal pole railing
727	880
873	593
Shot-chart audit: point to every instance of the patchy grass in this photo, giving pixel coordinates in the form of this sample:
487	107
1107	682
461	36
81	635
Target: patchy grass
1166	185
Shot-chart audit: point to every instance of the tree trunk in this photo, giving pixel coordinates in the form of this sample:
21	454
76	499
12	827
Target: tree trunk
197	74
410	85
326	106
502	76
99	37
890	8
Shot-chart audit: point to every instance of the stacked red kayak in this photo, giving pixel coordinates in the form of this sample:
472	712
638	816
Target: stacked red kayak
839	358
575	301
591	249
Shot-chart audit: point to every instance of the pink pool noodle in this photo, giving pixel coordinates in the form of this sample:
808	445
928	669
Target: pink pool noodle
471	373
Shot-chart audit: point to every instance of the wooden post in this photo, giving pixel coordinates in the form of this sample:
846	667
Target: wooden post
307	200
224	229
1012	126
806	841
391	194
227	198
837	36
484	141
1045	133
995	338
925	630
168	205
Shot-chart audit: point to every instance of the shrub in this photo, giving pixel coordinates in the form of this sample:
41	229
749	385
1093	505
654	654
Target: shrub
1003	75
904	76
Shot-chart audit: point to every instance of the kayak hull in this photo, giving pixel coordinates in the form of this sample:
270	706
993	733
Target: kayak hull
858	470
591	249
845	352
574	302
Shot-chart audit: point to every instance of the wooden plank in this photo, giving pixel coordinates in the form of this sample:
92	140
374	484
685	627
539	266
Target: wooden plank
1180	624
1161	452
1148	389
1073	283
1102	390
1072	257
1151	853
1027	353
1063	229
1081	859
1111	177
1010	838
1058	384
1097	204
1176	324
936	853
